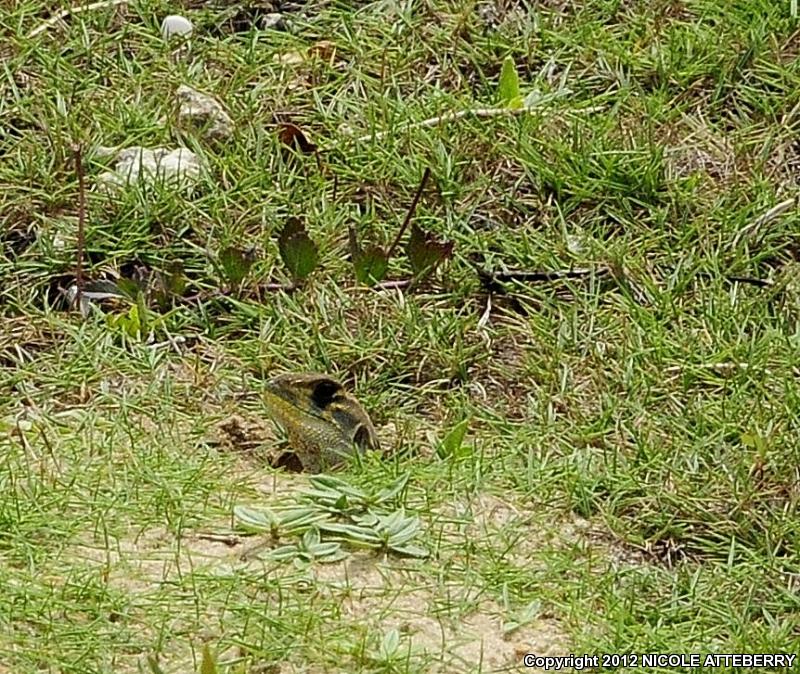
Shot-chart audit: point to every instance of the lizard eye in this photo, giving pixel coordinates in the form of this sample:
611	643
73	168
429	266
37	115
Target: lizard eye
323	392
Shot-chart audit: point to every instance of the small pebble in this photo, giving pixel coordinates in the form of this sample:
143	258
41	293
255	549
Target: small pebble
174	24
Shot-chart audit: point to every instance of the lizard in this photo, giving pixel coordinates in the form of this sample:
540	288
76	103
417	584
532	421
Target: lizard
324	422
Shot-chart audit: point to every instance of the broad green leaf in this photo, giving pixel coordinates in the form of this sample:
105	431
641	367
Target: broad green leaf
283	553
454	439
334	557
333	484
324	549
371	265
298	252
259	520
311	538
508	88
389	644
300	518
410	551
129	288
208	665
755	441
524	617
367	519
235	264
425	251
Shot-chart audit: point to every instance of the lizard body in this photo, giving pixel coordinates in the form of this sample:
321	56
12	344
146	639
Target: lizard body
324	423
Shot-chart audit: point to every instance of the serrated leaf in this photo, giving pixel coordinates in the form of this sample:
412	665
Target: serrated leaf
371	264
298	251
452	442
508	88
235	263
425	251
208	664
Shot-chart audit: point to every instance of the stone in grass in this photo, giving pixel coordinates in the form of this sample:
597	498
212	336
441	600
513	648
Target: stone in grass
178	168
175	24
202	112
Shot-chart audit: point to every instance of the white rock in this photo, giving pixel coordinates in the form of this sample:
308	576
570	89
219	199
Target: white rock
271	20
179	168
204	113
175	24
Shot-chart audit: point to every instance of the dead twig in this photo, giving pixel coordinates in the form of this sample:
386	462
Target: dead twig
71	11
79	282
410	213
231	540
480	113
773	213
717	368
542	276
447	117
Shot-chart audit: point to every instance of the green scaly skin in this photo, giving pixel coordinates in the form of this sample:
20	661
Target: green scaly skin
323	422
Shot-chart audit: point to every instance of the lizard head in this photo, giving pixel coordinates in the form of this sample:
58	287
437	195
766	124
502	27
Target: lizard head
319	415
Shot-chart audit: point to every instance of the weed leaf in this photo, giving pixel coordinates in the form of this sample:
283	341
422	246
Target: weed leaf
235	264
410	551
425	252
208	664
298	252
453	441
292	136
371	264
509	85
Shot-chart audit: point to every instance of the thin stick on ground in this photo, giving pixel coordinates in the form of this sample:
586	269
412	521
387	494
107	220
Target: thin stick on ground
78	154
64	13
480	113
448	117
410	213
773	213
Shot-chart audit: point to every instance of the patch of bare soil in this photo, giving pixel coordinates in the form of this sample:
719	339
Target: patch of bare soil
444	625
699	149
498	522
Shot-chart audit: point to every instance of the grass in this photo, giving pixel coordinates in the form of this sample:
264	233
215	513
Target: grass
629	482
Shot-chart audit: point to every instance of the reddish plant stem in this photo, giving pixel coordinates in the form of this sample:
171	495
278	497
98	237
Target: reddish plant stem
410	214
79	282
